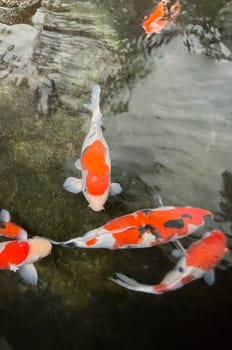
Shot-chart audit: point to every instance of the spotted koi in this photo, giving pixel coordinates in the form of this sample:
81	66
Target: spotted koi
200	261
143	228
166	11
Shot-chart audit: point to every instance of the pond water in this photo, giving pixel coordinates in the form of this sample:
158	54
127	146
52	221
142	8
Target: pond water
166	103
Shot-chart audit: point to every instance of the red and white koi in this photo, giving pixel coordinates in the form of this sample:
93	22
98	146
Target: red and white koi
166	11
199	261
20	255
143	228
94	162
9	229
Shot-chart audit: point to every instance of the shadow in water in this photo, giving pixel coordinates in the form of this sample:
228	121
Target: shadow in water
38	319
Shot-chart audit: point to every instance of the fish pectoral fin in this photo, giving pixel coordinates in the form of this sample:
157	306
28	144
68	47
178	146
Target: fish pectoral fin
78	164
4	215
29	274
73	185
180	247
22	235
176	253
115	188
209	277
13	268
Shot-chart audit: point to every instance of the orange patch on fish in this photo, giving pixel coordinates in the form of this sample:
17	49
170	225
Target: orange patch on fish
10	229
160	288
98	172
128	237
14	253
164	223
121	222
187	279
208	252
91	241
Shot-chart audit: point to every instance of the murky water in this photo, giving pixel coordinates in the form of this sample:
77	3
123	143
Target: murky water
166	104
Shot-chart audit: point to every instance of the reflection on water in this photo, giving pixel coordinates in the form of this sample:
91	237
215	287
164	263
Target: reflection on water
166	105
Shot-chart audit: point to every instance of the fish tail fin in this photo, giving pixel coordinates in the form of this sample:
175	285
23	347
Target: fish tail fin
129	283
94	105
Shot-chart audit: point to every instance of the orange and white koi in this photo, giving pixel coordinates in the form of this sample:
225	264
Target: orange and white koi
199	261
94	162
143	228
20	255
166	11
9	229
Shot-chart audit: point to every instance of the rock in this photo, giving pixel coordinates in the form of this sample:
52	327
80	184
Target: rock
19	3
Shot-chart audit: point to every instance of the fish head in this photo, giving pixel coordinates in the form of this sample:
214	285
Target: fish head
96	189
182	274
96	202
39	248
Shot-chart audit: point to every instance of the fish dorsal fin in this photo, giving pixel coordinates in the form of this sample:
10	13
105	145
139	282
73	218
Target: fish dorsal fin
209	277
115	188
158	200
4	215
73	185
29	274
78	164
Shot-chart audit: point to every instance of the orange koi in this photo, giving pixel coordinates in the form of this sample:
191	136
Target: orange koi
94	163
143	228
163	13
9	229
20	256
199	261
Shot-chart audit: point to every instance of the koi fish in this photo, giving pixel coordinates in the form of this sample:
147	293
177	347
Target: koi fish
20	255
94	162
142	229
165	12
9	229
199	261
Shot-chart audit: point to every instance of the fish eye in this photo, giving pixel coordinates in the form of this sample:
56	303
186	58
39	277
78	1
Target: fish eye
180	269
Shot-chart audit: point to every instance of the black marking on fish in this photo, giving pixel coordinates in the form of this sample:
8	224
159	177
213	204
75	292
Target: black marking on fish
2	225
69	245
178	223
146	228
187	216
93	133
146	211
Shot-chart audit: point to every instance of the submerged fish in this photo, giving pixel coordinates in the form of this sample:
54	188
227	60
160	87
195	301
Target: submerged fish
20	255
94	162
8	229
166	11
143	228
200	260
